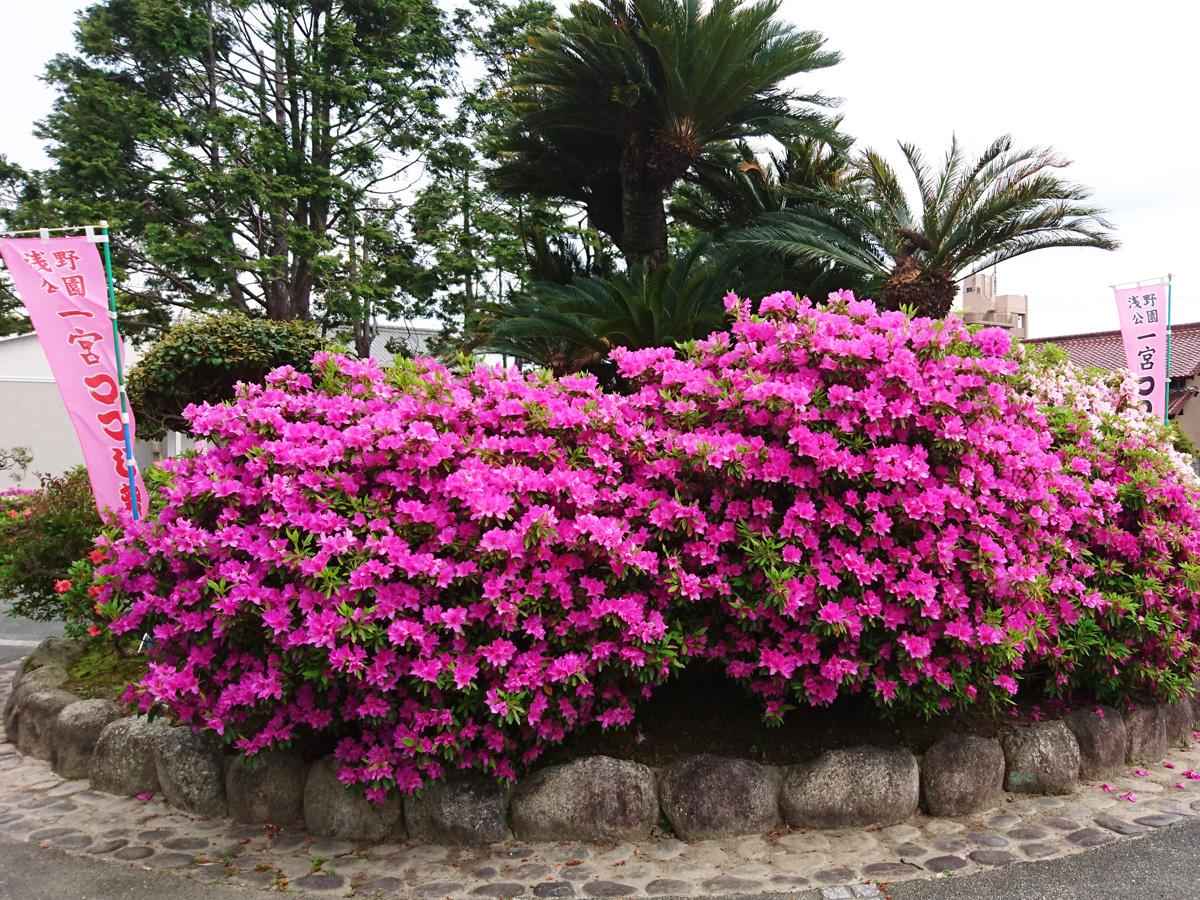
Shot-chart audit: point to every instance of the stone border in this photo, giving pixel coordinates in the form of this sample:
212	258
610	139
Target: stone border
841	863
596	800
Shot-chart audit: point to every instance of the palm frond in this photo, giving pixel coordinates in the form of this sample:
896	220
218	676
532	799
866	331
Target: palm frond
814	233
573	326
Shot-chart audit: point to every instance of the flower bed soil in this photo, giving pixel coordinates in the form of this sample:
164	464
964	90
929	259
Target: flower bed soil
704	712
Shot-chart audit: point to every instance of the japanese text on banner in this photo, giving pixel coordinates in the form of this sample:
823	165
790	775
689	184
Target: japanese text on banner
62	283
1143	312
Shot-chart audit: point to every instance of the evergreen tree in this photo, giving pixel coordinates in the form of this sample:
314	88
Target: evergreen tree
248	153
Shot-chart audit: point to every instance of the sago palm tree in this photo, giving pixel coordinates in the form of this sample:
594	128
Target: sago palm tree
963	219
613	105
571	327
733	185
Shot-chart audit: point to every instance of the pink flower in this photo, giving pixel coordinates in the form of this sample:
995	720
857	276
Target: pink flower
1007	682
1140	772
62	585
989	635
461	569
1107	788
917	647
833	614
1178	784
1130	796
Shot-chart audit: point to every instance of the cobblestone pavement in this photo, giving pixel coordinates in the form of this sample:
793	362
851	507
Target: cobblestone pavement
38	806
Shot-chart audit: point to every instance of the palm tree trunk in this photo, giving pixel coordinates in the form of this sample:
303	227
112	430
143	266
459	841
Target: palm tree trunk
923	293
644	225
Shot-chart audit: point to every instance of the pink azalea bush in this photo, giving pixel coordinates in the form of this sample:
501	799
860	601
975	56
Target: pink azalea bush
457	570
875	507
1143	544
441	570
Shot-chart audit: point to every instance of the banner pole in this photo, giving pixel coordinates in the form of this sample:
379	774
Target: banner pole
130	463
1167	387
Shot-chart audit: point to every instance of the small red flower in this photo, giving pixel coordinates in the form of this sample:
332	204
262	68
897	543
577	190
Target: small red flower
62	585
97	556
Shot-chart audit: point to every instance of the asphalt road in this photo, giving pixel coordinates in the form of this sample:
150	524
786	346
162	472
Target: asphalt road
19	636
1159	866
27	872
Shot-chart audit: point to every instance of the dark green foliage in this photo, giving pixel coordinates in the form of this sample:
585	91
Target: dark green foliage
966	217
732	186
200	361
37	550
14	183
611	107
476	243
244	150
571	327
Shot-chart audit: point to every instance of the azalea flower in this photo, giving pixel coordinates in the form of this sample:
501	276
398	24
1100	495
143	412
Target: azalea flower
463	568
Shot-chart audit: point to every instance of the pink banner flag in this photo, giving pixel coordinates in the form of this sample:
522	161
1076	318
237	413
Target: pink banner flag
1143	312
61	281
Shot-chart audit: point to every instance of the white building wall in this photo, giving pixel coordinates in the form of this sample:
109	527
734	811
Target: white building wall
32	413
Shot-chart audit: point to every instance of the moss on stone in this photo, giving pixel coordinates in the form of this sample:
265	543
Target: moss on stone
100	673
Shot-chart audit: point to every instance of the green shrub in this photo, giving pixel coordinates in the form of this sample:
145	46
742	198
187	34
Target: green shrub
200	361
57	526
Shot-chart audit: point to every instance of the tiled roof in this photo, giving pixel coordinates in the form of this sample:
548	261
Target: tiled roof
1178	402
1103	349
414	338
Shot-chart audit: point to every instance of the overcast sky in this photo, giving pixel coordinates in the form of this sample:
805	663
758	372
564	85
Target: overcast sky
1113	88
